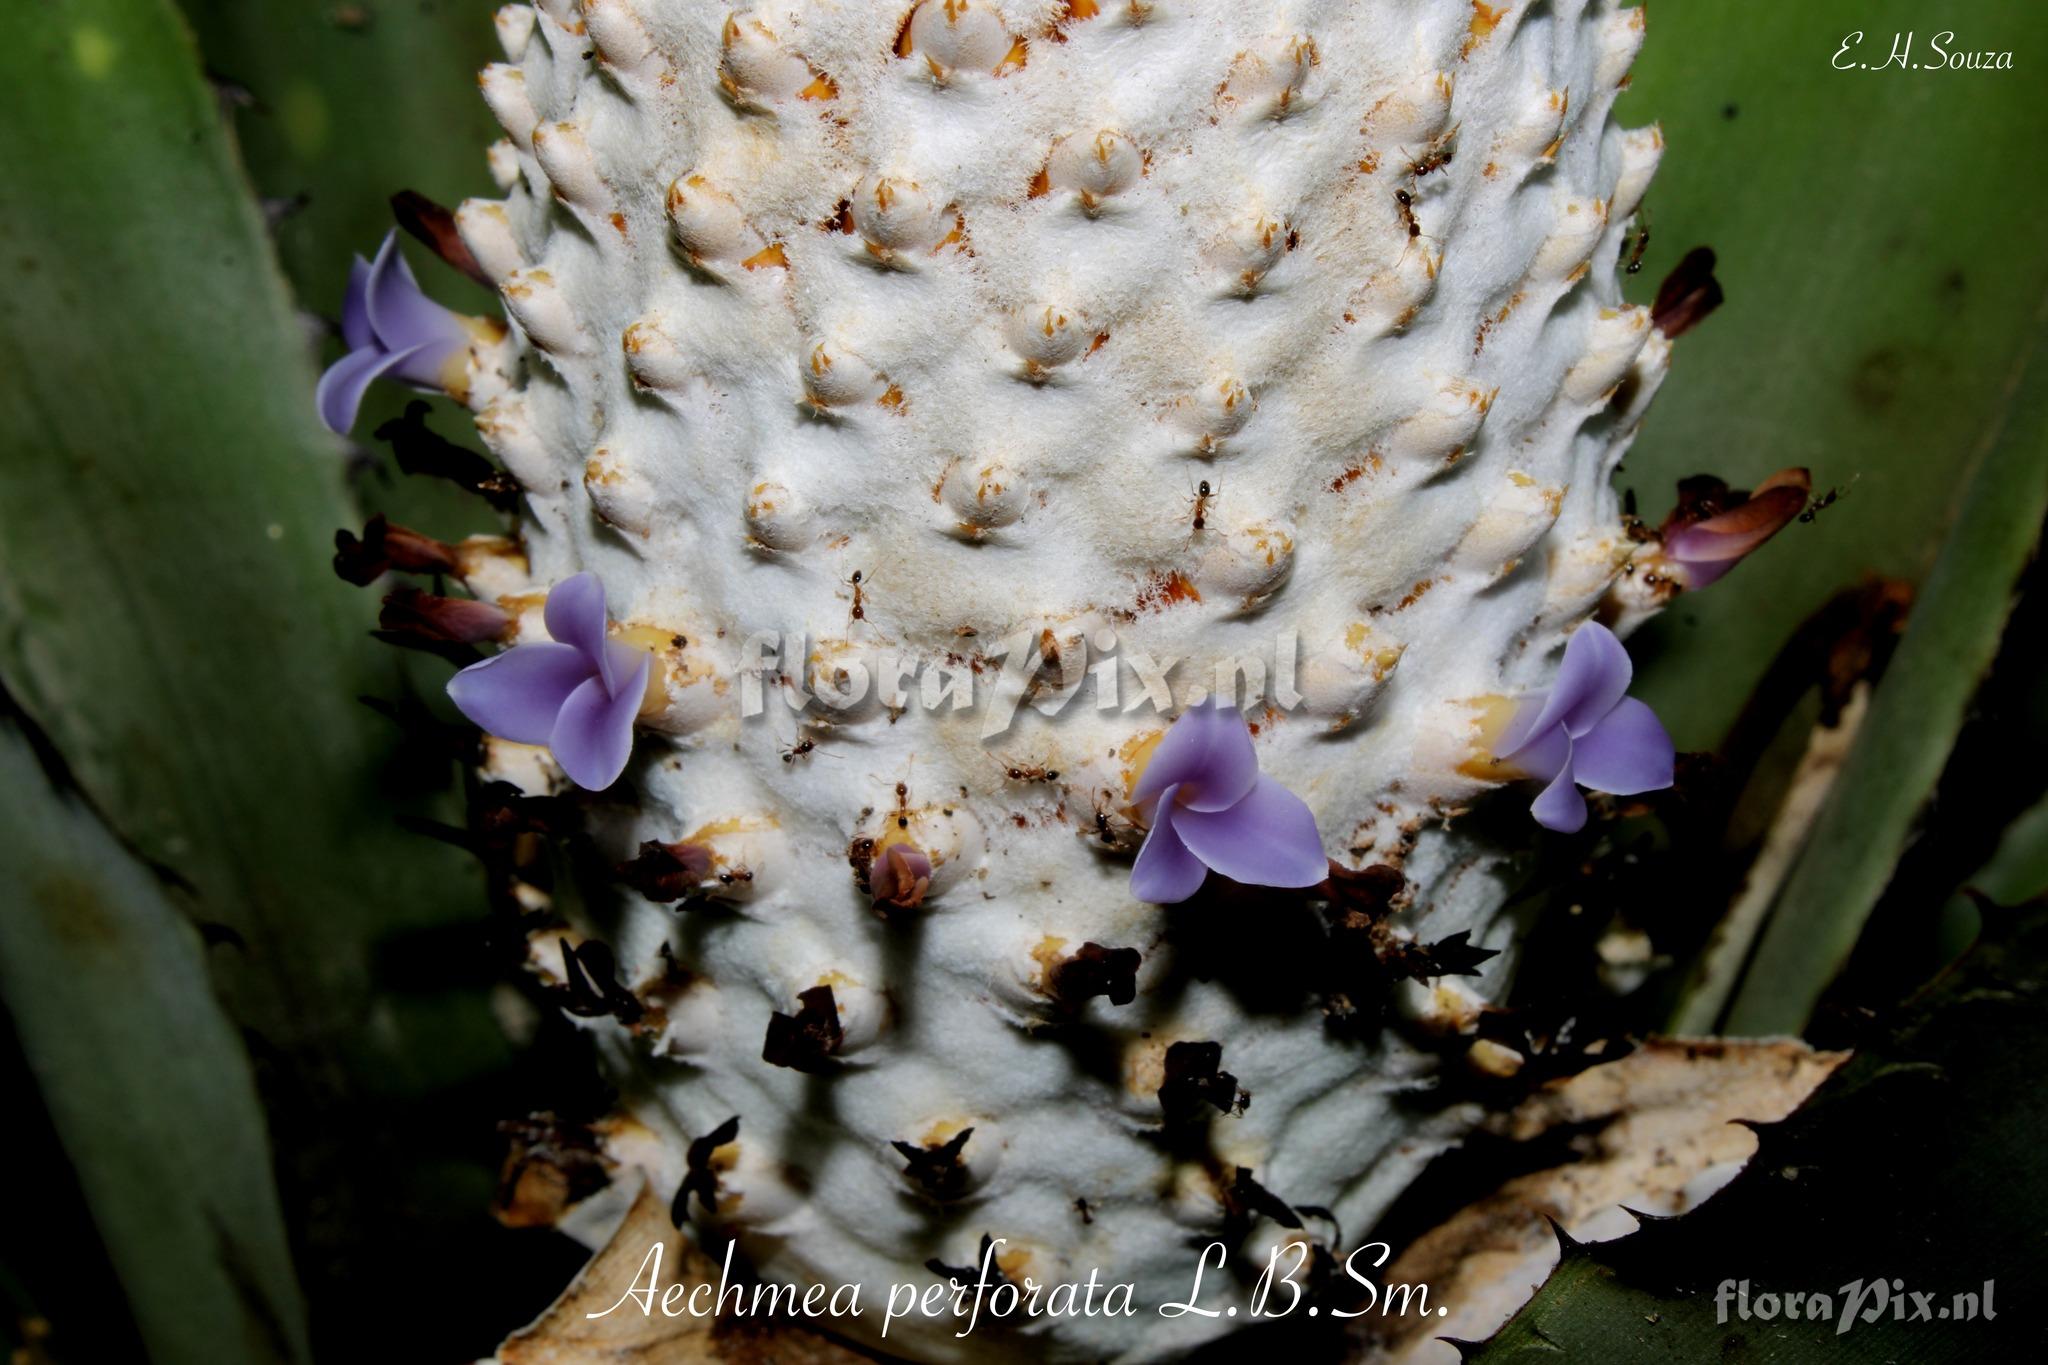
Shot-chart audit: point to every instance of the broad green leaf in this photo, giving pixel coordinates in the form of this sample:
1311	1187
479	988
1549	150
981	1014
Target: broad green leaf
168	617
146	1079
1879	240
1915	714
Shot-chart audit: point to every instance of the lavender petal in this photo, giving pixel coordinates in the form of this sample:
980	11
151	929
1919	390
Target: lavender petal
1559	805
516	695
400	315
1594	676
355	307
1542	756
1629	751
1165	872
1267	839
341	388
1208	751
593	735
576	615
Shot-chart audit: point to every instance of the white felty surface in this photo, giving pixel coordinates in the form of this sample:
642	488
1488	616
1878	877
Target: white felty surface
1166	248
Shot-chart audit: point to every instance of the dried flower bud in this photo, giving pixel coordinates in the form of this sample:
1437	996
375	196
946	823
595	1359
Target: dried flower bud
900	876
1714	527
1095	970
385	547
1687	295
416	617
807	1040
434	226
937	1169
1194	1079
700	1177
667	872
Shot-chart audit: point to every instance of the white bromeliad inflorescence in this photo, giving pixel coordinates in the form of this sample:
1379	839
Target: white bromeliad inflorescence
1186	330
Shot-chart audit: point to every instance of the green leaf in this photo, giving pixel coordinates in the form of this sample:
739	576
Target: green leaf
1878	238
168	617
147	1081
1919	1162
1914	716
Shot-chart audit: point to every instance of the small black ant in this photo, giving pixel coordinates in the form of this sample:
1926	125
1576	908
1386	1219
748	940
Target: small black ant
1820	505
1638	243
903	805
801	749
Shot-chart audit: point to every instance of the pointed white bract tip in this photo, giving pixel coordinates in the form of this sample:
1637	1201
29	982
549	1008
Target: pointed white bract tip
757	68
508	429
1267	79
964	36
777	518
653	357
707	223
515	29
1519	512
536	300
1246	563
1045	335
1249	245
1641	150
834	376
563	151
895	214
984	494
1616	337
1213	410
1579	225
1440	432
621	38
1621	38
504	89
487	231
1413	116
618	492
1094	166
503	159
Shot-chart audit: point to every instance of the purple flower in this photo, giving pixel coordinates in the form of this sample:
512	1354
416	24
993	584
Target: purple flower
577	693
391	329
1712	528
1212	809
1586	730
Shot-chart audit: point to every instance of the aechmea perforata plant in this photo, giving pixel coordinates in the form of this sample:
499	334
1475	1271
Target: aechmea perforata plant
962	409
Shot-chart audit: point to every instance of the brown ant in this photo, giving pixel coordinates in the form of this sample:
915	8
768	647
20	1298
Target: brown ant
859	583
801	749
1434	157
903	805
1022	772
1201	500
1638	243
1405	202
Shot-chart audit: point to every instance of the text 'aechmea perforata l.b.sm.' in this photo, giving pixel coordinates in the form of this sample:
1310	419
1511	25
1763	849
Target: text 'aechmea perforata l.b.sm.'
1184	330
